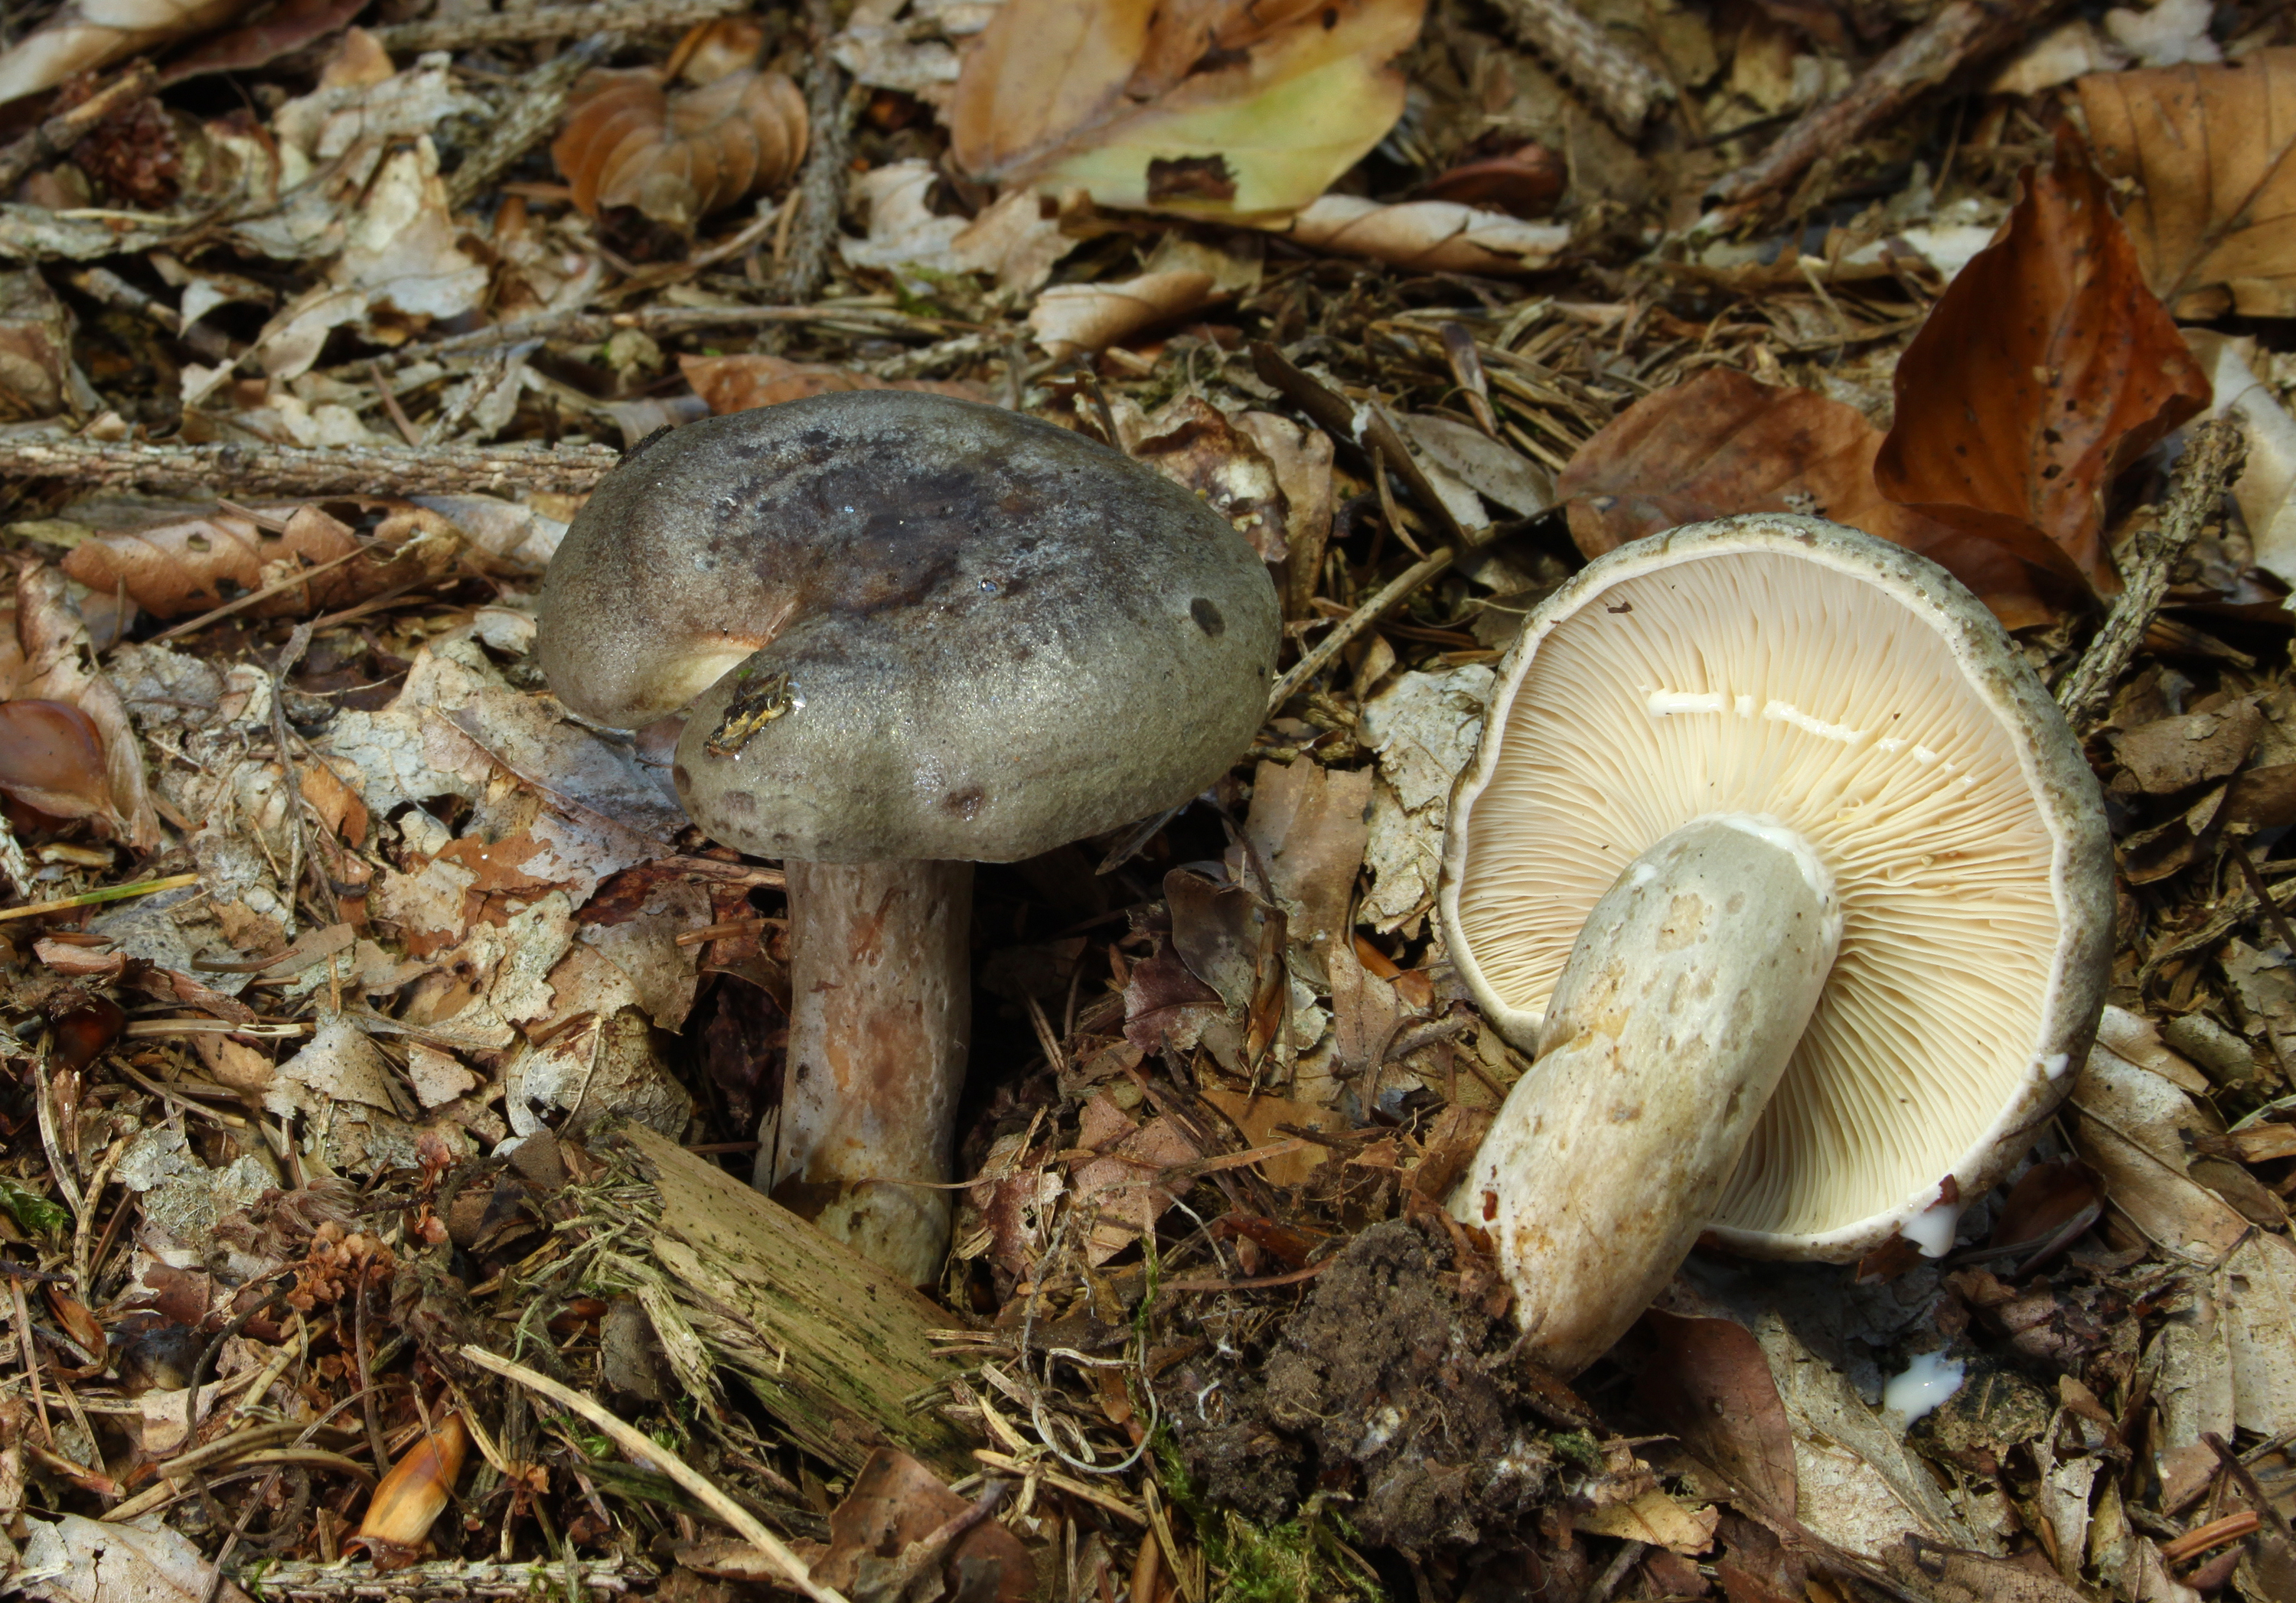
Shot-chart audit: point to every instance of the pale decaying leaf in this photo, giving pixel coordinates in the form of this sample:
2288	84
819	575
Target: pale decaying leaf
607	1063
910	45
1308	824
1068	318
1654	1517
1258	133
77	1561
1856	1484
1424	729
1431	236
87	34
1011	239
2265	490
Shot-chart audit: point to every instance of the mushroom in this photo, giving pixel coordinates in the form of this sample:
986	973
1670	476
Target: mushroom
1781	862
909	633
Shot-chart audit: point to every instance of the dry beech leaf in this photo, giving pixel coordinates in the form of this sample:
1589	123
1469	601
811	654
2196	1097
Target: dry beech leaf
88	34
1260	132
2213	151
284	29
51	759
677	157
202	562
1068	318
1434	236
58	665
1711	1385
897	1502
2045	369
739	383
1723	443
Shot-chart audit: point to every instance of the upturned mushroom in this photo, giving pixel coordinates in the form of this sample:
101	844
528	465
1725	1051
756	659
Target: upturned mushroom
1779	859
907	634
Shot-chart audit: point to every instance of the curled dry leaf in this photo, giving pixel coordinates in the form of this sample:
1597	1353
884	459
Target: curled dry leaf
52	758
2212	152
1723	443
1524	182
1434	236
2045	369
37	377
202	562
677	157
57	665
1068	318
88	34
413	1494
739	383
1261	130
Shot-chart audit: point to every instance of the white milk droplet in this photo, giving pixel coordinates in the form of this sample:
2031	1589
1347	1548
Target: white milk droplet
1928	1381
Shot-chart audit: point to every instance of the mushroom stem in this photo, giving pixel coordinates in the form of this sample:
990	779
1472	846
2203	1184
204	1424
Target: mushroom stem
1683	997
881	1008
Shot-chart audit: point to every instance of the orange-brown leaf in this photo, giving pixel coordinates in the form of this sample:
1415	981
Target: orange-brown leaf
52	758
2213	151
413	1494
739	383
202	562
678	157
1721	443
2045	370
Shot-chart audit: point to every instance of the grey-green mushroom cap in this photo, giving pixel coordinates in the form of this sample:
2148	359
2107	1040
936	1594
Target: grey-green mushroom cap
904	625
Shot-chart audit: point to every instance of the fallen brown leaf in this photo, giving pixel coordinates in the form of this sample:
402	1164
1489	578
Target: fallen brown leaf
38	379
2213	151
740	383
1192	442
201	563
58	665
677	157
1711	1385
52	758
879	1536
284	27
1722	443
2045	369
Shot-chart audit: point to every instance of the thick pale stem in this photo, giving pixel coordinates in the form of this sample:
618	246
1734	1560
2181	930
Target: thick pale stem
881	1005
1683	997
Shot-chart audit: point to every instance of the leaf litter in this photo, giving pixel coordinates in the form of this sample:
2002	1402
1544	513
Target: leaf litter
338	951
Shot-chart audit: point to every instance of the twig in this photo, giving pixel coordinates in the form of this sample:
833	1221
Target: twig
89	898
644	1450
2211	462
101	284
821	188
56	136
532	105
1314	663
193	626
2264	1506
552	22
309	1581
1964	32
299	470
1621	87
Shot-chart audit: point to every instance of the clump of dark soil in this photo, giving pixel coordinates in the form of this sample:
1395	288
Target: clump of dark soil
1389	1390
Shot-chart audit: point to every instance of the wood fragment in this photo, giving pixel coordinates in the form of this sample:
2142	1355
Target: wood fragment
59	134
2210	463
309	1581
1622	88
530	23
1961	35
832	1344
266	469
830	111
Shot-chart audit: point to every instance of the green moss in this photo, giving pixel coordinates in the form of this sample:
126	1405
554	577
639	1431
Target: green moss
1301	1559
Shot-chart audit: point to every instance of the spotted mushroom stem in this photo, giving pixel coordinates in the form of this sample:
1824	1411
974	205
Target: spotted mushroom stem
1681	1001
881	1012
